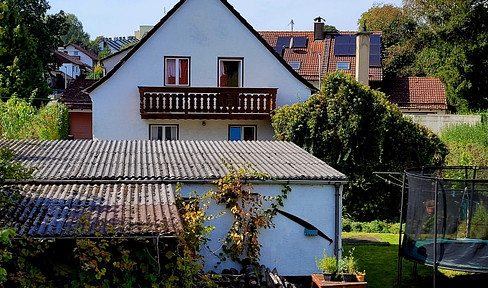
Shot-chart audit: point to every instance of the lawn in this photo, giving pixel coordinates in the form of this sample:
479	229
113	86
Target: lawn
381	261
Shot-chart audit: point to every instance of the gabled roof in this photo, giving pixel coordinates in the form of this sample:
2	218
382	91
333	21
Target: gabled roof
65	58
85	51
417	93
169	14
88	210
74	97
166	160
117	42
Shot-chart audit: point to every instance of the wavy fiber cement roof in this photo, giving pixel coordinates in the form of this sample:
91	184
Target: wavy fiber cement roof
167	160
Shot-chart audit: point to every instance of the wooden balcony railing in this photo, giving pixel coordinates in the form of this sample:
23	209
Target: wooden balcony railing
207	102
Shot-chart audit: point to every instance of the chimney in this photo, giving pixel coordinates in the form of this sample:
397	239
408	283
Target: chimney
318	29
362	56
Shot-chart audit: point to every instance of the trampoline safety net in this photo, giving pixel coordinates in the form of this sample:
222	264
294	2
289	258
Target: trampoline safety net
462	218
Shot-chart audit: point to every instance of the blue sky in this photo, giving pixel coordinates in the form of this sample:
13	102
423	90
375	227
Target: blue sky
122	17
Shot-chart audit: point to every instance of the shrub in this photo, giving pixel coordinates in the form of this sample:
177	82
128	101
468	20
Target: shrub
375	226
52	122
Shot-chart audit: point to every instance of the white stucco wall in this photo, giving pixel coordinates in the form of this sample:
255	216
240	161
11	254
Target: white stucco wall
285	246
83	57
70	69
203	30
110	62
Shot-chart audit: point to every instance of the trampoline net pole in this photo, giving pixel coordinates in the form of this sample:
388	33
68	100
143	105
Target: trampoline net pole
436	206
400	259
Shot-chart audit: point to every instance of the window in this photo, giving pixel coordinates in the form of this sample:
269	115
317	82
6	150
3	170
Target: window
343	65
75	53
294	64
176	71
163	132
230	72
238	132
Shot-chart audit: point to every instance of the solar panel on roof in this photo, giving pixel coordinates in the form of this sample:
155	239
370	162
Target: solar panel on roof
375	51
279	50
283	42
345	45
299	42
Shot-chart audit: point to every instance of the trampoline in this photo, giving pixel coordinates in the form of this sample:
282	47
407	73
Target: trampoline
446	218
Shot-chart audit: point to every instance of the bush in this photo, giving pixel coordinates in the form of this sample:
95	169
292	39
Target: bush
468	145
357	131
375	226
20	120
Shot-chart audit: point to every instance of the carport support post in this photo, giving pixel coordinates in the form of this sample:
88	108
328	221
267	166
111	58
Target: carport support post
338	216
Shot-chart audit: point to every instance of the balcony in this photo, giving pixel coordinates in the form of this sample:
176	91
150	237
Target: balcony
206	102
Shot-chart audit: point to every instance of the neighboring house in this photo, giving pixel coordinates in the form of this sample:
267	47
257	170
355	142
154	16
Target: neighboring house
130	186
201	73
143	30
116	44
86	56
80	108
417	95
71	68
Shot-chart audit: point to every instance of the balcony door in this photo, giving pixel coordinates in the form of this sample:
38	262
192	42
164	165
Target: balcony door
230	72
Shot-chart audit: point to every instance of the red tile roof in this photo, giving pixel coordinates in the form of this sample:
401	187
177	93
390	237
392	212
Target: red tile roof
417	93
86	51
75	98
308	57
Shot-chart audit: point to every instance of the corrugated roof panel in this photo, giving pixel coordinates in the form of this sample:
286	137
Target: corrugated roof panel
68	210
167	160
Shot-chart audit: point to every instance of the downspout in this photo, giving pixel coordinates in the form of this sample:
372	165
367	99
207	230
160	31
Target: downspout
338	212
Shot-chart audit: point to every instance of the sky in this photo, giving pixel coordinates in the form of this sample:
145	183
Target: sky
112	18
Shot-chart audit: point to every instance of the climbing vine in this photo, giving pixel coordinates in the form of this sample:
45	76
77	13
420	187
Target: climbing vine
249	213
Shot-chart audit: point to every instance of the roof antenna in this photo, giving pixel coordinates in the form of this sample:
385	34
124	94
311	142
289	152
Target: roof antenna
291	24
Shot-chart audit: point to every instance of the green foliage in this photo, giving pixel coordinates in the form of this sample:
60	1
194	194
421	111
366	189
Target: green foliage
468	145
357	131
97	73
74	32
375	226
105	52
20	120
327	264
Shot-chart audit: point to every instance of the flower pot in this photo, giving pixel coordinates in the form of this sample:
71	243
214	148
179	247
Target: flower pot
430	210
328	276
348	277
360	278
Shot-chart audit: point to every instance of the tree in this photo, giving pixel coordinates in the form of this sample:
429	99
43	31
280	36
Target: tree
357	131
74	32
21	69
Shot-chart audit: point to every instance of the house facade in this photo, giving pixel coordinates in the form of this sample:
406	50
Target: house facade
84	55
201	73
130	186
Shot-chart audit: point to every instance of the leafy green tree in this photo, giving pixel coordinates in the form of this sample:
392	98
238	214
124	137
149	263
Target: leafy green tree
21	70
358	131
105	52
74	33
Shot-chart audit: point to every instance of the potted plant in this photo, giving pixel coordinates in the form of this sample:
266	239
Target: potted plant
347	266
360	276
328	265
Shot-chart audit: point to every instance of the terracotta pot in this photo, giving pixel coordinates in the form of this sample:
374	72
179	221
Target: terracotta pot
360	278
430	210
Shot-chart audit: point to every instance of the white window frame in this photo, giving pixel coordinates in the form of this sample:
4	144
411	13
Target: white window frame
177	70
230	59
255	128
163	127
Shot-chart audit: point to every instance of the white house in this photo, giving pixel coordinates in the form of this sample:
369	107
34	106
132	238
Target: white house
84	55
201	73
130	185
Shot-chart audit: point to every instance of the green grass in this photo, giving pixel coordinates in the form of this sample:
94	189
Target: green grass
381	265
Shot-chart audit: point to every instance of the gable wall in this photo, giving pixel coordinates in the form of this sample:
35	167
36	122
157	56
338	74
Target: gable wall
203	30
83	57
